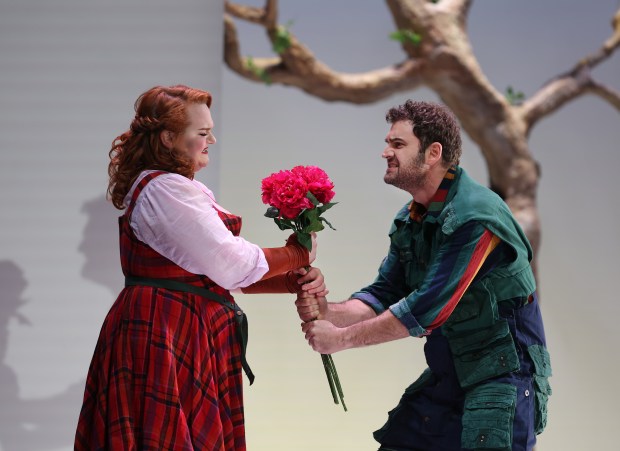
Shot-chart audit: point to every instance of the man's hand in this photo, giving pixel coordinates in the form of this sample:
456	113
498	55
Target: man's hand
310	306
324	337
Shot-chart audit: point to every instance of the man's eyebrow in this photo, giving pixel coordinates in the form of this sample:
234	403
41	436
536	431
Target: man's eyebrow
394	138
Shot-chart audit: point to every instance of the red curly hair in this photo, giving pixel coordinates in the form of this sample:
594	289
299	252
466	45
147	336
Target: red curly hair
140	148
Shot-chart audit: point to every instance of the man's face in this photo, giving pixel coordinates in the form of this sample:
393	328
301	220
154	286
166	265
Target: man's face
406	162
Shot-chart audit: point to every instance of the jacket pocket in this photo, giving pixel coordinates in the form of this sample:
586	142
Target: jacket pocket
542	388
488	417
484	354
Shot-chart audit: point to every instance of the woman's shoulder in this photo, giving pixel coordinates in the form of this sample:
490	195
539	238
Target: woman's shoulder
165	184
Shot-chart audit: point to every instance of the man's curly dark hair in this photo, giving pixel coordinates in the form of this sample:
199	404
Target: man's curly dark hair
432	122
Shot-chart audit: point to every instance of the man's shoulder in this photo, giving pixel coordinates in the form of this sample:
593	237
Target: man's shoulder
471	201
474	196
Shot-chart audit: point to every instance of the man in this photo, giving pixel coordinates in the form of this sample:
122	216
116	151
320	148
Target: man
458	273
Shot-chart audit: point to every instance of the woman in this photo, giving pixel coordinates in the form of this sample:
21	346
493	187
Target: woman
166	371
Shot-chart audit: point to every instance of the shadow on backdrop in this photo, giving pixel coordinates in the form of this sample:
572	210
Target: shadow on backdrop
27	425
42	423
100	245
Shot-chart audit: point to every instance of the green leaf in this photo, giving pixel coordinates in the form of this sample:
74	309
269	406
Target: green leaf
311	221
327	222
304	239
514	97
406	37
323	208
315	226
260	73
283	224
282	40
311	214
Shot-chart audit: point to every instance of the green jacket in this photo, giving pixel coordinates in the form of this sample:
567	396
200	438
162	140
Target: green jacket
480	340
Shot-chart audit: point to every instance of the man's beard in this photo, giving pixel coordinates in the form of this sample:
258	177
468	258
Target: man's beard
409	177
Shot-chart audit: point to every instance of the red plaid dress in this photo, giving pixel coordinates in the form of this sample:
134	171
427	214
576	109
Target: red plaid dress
166	371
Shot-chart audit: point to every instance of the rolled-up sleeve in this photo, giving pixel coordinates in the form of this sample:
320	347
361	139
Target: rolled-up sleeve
179	220
466	255
388	286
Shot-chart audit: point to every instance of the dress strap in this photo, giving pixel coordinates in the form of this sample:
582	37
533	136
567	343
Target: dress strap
174	285
145	180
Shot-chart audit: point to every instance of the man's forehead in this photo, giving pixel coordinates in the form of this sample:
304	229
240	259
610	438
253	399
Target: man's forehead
401	130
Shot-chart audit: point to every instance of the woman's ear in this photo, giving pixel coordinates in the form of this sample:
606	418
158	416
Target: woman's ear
167	138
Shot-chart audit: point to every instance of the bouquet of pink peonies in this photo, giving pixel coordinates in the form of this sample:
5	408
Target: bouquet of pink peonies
297	198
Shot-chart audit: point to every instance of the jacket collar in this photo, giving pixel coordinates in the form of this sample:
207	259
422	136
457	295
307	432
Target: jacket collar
417	212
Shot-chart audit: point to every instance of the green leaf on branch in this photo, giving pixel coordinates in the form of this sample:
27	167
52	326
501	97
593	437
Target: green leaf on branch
406	37
260	73
514	97
282	40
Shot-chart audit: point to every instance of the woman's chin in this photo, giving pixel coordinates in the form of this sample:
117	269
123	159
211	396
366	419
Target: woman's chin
201	164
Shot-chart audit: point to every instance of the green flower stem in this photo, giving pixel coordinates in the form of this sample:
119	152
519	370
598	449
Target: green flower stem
333	380
337	380
328	373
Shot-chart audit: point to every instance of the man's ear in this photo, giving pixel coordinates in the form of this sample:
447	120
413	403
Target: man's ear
167	138
434	153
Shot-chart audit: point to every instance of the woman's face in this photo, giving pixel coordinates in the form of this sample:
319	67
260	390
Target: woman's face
197	137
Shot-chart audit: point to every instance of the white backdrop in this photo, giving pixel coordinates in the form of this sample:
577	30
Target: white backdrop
70	71
520	44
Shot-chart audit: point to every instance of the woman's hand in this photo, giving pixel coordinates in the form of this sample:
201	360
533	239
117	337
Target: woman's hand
314	246
292	241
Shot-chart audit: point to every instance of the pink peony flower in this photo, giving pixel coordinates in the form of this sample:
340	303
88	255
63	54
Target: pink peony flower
318	182
286	191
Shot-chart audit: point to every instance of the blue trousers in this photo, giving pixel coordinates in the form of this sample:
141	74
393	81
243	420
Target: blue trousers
429	416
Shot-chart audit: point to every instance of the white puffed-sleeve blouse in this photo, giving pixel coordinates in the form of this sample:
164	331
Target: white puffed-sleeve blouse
177	217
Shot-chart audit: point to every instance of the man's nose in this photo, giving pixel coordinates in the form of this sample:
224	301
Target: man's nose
387	152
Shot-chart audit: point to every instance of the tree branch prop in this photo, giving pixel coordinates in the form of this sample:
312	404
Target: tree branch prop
578	81
297	66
